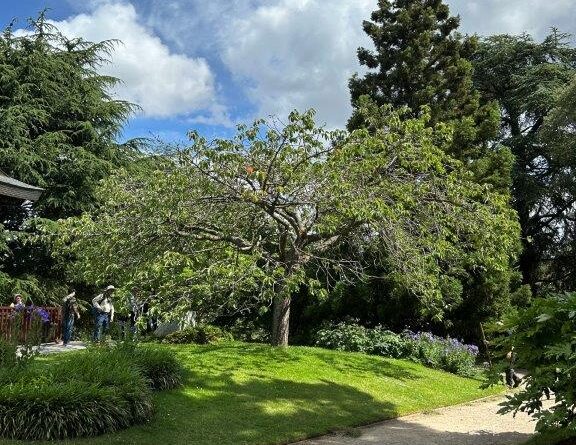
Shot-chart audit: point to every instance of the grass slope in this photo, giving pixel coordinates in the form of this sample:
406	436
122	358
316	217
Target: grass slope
254	394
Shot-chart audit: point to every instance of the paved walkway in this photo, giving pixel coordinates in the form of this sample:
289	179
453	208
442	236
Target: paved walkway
51	348
474	423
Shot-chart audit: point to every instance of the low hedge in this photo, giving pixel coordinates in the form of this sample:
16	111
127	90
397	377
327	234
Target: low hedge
201	334
84	393
61	410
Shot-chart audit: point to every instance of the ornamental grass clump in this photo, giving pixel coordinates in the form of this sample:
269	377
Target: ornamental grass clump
160	367
82	394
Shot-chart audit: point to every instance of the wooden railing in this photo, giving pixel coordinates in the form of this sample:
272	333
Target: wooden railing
49	330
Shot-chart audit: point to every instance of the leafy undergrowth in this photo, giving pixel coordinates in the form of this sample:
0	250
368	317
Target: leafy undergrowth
560	437
238	393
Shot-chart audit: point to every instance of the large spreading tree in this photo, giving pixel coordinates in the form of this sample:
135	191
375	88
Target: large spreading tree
58	125
258	216
534	84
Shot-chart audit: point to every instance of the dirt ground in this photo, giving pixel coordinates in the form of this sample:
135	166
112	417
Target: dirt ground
474	423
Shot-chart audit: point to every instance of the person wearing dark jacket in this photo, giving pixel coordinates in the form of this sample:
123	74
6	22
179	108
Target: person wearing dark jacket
69	314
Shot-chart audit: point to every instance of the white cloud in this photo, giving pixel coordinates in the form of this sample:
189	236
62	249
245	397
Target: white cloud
282	54
298	54
534	17
163	83
288	54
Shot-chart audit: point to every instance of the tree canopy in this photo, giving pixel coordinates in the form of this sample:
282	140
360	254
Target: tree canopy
266	210
58	129
533	83
419	59
58	122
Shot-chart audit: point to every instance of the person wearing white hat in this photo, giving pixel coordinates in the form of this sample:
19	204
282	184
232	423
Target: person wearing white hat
103	311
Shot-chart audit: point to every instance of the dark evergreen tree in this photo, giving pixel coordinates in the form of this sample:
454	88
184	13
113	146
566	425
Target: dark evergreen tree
58	125
419	59
532	83
58	122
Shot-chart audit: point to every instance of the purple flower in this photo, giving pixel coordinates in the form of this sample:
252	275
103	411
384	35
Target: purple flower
42	313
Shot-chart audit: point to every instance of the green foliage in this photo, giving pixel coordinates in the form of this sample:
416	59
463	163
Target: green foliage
543	337
159	366
16	349
447	354
240	385
419	60
344	337
249	330
436	352
58	124
60	410
57	119
81	394
201	335
227	225
532	83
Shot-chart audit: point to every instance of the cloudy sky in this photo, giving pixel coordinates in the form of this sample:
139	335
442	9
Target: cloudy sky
210	64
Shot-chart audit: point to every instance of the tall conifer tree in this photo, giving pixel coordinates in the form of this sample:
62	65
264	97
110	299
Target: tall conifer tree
58	124
419	59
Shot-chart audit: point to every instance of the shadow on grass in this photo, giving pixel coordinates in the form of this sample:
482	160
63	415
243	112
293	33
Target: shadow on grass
222	410
373	365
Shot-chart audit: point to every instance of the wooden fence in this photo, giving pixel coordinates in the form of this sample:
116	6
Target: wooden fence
23	320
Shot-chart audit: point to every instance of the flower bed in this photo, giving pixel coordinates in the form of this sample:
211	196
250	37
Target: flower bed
86	393
448	354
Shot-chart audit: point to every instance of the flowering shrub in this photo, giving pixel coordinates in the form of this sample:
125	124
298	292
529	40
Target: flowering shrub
448	354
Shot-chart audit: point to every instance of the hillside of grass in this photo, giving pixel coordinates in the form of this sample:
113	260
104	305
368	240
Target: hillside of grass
239	393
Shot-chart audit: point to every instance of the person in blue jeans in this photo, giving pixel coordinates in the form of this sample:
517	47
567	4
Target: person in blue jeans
103	312
69	314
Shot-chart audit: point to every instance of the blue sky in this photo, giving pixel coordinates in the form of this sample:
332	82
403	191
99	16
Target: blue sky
210	64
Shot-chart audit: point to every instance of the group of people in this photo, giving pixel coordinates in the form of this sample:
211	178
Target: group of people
102	308
103	311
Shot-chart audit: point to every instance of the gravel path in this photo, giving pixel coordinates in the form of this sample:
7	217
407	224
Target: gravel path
474	423
51	348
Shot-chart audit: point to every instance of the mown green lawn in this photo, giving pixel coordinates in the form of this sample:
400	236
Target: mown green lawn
239	393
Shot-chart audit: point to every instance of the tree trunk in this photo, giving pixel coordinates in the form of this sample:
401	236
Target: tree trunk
281	320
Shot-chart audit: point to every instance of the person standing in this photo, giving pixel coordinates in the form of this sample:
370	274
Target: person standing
512	379
103	311
69	314
135	308
17	303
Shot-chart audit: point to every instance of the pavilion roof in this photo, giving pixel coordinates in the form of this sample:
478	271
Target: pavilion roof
17	189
